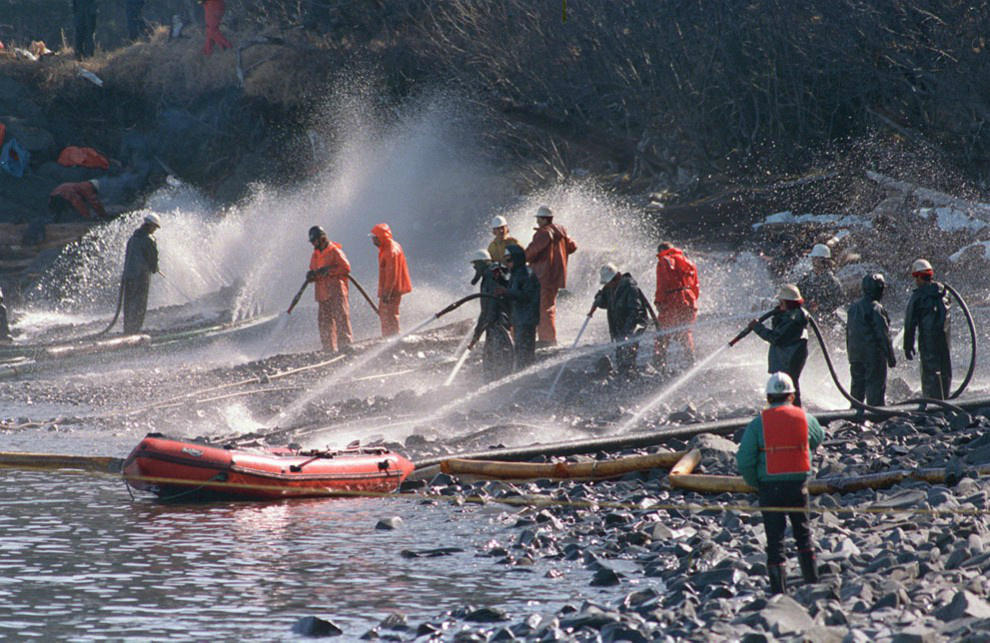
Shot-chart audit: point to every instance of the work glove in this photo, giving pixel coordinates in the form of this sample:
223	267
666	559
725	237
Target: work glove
324	271
310	275
892	361
909	354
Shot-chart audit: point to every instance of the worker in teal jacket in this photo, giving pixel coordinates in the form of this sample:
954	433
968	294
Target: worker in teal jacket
775	457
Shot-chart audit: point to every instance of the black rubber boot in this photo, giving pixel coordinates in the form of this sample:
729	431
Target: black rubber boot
809	567
778	579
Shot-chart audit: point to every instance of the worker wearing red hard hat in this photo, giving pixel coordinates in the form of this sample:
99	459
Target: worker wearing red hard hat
928	316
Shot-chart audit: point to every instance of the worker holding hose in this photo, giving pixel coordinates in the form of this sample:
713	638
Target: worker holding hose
140	262
523	295
787	336
393	278
821	289
494	319
868	343
928	316
775	457
676	300
328	270
627	316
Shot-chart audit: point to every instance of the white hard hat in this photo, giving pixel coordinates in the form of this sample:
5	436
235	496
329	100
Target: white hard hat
608	273
499	222
481	255
96	183
789	292
920	265
821	250
780	384
153	219
544	211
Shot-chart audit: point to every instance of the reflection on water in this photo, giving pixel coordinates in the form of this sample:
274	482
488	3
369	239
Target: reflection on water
80	560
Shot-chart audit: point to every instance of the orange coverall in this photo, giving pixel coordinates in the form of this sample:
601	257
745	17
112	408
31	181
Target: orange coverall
334	317
81	196
676	300
214	10
393	279
547	255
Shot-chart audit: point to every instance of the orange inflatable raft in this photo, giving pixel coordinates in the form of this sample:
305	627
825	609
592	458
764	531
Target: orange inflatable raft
174	468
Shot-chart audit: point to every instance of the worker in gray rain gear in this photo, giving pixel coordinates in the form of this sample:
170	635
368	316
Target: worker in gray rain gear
627	316
140	262
787	335
868	343
494	319
5	336
523	295
821	289
928	316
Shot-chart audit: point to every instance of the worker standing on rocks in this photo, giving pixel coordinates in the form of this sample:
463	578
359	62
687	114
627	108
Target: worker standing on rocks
547	253
523	294
328	270
820	287
775	457
213	11
928	316
494	319
5	336
393	278
496	249
140	262
627	316
676	300
787	335
84	17
82	197
868	343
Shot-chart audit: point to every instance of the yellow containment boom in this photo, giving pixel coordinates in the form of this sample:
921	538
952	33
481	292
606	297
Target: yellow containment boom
597	469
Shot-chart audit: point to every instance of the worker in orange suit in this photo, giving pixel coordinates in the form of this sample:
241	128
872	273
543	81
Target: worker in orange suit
214	10
547	255
393	278
328	270
676	300
82	197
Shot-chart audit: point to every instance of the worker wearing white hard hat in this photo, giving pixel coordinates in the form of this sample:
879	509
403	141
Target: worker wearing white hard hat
928	316
140	262
500	230
787	336
625	306
494	317
775	456
822	290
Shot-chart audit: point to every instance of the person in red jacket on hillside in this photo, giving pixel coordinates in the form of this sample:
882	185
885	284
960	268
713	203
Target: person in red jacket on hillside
676	300
83	197
393	278
547	255
328	270
214	10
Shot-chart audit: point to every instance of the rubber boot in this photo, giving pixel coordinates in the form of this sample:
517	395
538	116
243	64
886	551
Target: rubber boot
778	579
809	568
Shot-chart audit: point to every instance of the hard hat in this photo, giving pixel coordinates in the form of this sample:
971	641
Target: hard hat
821	250
481	255
499	222
95	183
789	292
153	219
780	384
544	211
608	273
316	232
921	266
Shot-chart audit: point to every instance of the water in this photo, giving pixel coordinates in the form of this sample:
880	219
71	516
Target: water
669	390
560	371
464	352
80	560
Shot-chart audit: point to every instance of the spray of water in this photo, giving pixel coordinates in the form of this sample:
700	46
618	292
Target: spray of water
463	350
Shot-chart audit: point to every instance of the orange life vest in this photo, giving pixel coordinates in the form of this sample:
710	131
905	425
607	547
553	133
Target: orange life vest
785	439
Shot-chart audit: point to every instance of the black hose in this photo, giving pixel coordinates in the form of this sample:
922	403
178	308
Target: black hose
860	405
972	337
116	313
746	331
463	300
